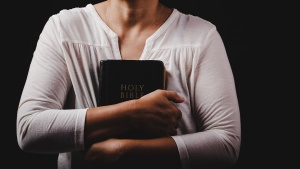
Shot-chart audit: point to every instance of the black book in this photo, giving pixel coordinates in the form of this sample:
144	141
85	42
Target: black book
122	80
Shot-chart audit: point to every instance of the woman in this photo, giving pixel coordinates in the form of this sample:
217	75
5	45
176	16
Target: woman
194	123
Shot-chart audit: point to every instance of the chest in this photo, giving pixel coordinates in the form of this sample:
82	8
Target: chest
131	50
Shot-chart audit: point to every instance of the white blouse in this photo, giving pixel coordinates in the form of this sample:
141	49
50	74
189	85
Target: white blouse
62	83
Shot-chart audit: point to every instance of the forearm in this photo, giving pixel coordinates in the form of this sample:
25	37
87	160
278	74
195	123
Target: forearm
152	153
107	122
152	116
134	153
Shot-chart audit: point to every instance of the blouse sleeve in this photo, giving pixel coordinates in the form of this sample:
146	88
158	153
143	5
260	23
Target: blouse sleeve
41	117
215	110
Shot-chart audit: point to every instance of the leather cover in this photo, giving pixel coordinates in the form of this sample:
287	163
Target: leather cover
122	80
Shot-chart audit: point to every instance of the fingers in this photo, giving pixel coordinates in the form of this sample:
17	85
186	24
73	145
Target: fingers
173	128
173	96
156	114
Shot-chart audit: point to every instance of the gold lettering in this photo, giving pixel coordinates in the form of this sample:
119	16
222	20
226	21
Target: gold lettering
130	87
131	91
141	87
123	87
122	95
131	95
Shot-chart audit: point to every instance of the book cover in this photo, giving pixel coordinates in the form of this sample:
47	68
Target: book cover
122	80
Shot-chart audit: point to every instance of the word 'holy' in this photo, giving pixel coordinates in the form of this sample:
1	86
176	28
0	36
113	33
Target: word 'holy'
131	91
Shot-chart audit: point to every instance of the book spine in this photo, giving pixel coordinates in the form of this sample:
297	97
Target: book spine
102	76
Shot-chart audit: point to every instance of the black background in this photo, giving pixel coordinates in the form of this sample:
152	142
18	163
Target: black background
248	30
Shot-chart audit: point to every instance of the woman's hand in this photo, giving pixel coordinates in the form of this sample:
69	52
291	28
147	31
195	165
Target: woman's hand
155	115
105	153
152	116
158	153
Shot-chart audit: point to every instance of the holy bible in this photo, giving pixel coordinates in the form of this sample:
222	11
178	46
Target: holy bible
122	80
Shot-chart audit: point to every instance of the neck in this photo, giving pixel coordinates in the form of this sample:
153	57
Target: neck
134	21
132	13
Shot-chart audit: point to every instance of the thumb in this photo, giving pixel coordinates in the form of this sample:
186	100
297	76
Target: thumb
174	97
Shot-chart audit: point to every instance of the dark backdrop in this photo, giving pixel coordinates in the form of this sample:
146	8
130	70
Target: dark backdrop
237	21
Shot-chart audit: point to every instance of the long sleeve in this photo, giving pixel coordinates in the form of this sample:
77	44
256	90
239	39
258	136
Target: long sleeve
43	126
214	106
62	83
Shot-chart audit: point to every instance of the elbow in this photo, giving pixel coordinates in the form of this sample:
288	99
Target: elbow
23	146
227	156
233	150
28	143
25	139
228	151
23	142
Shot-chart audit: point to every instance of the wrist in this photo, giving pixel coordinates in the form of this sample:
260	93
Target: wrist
125	149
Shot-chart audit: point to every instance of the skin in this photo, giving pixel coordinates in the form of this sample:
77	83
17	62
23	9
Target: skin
133	21
153	118
153	114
